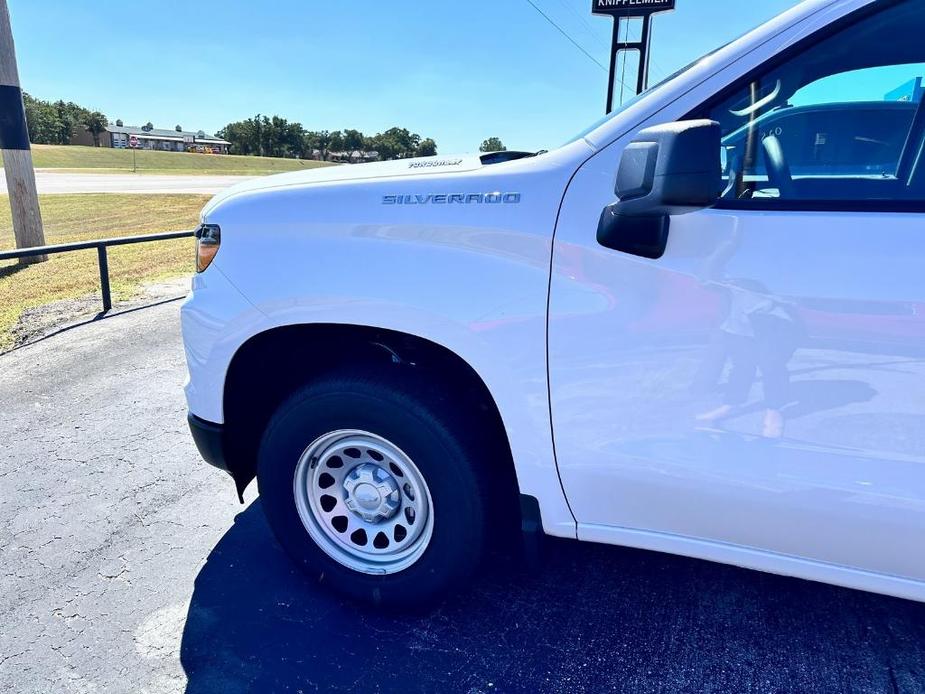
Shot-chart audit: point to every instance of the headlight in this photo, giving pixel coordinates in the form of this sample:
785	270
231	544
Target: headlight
208	241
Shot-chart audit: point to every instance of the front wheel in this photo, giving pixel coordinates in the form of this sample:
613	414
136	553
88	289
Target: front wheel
374	488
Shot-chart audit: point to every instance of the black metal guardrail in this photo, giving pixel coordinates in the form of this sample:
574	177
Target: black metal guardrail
100	245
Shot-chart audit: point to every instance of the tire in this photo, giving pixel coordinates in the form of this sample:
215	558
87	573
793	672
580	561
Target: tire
406	425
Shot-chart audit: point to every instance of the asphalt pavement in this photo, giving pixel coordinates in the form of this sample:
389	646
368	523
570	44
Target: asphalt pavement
51	182
129	566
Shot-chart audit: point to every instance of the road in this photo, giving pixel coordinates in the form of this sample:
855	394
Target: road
49	182
127	565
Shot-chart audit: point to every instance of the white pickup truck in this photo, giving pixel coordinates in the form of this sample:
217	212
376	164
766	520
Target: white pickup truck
659	335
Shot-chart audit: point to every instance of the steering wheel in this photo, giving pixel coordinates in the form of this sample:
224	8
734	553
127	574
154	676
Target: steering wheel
779	174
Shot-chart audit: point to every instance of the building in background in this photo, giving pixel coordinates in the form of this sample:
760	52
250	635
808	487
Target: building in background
118	137
354	157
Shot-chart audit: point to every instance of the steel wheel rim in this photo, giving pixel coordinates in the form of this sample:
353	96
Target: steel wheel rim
363	501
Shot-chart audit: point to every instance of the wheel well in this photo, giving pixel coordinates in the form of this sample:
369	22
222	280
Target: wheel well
272	365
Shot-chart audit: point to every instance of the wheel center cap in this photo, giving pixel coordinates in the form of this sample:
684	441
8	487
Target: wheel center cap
371	493
367	496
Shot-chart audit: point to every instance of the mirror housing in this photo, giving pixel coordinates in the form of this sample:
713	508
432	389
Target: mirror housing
666	170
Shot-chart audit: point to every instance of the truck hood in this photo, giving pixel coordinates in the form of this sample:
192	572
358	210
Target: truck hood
352	172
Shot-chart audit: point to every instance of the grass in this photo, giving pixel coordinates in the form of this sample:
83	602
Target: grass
108	160
89	216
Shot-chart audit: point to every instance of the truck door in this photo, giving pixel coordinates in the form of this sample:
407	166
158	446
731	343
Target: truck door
761	386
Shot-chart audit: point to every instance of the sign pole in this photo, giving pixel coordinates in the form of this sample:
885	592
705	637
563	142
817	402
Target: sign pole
17	152
617	22
645	46
621	11
133	143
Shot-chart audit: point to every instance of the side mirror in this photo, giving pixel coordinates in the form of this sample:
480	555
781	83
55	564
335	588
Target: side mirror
666	170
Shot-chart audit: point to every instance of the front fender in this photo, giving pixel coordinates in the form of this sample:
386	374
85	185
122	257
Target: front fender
472	278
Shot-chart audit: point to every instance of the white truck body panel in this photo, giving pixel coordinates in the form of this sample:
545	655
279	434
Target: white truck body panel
331	246
472	278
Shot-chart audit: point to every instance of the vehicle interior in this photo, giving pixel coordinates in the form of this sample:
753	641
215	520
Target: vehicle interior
842	120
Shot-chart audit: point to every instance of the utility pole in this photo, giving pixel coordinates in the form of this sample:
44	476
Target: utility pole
14	141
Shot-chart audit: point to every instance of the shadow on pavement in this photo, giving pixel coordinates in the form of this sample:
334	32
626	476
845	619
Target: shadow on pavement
594	618
52	331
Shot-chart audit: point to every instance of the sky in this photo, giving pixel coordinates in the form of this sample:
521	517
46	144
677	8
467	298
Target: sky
456	72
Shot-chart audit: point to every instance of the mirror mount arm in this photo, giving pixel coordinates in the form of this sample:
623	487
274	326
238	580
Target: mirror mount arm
642	235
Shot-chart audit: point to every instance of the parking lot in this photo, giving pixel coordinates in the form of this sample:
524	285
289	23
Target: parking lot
129	566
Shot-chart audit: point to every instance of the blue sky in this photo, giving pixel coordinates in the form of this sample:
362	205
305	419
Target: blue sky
457	72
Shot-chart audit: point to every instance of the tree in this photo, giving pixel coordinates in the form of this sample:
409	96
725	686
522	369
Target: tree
353	140
43	121
179	128
96	124
244	136
277	137
148	127
336	141
493	144
119	122
395	143
55	123
70	116
311	141
427	148
324	143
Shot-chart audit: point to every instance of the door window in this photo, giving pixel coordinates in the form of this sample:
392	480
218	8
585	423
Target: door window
843	121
